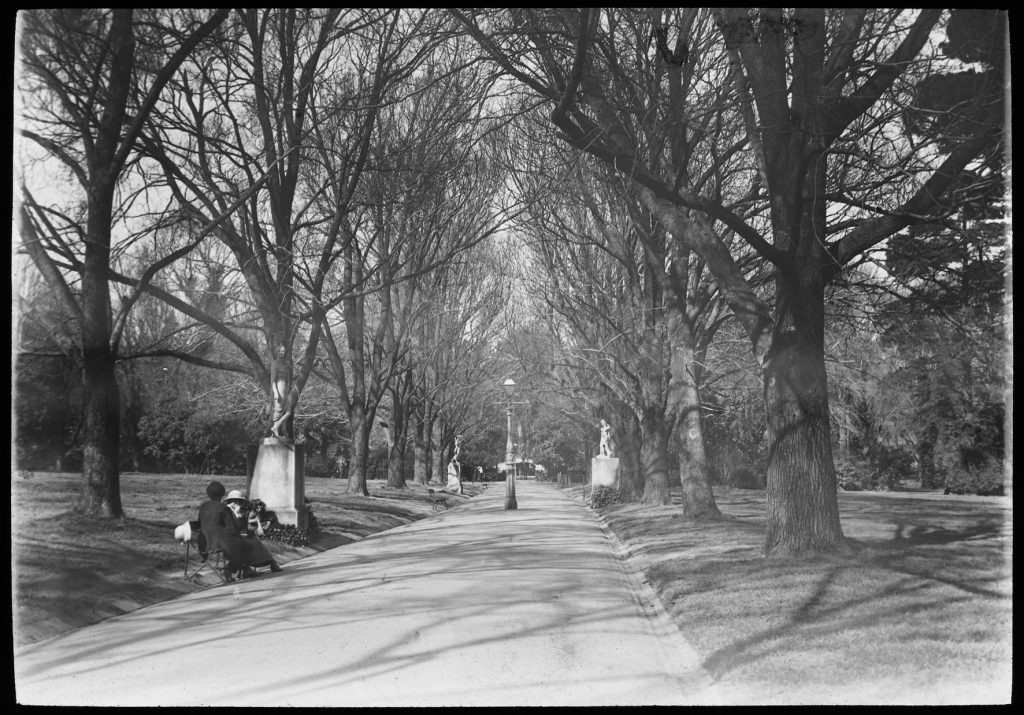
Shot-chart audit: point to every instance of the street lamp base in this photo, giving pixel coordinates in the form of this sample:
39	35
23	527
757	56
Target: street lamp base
510	492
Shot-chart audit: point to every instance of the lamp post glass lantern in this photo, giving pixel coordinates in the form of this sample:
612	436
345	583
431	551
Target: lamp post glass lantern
510	481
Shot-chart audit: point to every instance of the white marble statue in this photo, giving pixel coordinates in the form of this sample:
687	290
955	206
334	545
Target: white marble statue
455	467
606	440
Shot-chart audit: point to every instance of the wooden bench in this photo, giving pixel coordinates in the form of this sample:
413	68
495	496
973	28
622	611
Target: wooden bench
437	499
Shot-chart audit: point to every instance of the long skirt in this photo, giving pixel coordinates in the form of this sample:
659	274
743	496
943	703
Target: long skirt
246	551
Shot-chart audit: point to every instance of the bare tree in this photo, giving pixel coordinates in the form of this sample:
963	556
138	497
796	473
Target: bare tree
91	80
245	114
428	196
453	349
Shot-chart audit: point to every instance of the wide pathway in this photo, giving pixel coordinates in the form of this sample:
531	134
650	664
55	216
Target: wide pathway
473	606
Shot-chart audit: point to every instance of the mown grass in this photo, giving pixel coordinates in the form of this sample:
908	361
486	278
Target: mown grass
919	613
70	571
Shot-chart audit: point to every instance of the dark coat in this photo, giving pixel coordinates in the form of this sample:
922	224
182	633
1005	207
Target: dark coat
221	529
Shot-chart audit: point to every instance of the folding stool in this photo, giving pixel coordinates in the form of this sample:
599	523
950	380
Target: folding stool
214	560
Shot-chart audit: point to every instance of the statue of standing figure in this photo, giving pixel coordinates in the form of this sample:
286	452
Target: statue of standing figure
285	394
455	466
606	440
458	449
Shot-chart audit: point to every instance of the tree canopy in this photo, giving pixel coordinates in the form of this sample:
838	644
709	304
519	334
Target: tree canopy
768	245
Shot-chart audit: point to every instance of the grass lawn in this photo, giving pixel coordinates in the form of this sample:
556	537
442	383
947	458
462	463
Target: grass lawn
68	571
921	613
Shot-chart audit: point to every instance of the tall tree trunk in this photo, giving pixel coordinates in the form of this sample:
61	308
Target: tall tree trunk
694	473
654	458
359	424
101	479
698	499
628	440
802	504
437	453
802	513
421	449
396	445
926	457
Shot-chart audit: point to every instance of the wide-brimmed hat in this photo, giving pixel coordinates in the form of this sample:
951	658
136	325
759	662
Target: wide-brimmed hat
234	495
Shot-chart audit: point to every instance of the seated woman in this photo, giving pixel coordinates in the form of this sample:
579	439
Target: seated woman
248	522
218	522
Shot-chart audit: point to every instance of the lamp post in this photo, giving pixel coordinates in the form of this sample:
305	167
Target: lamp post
510	479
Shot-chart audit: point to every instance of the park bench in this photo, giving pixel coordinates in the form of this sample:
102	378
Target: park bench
437	500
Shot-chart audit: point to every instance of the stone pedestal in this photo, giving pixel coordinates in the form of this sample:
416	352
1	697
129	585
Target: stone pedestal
604	472
277	477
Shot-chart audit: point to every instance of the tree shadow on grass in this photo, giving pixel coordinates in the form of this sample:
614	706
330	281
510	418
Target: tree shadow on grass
825	620
921	556
377	506
909	535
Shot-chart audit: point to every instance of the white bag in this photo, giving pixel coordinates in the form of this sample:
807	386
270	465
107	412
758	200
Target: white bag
183	532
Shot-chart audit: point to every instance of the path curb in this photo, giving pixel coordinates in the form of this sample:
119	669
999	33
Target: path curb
650	604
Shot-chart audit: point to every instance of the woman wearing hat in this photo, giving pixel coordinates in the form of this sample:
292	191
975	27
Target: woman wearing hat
249	524
223	531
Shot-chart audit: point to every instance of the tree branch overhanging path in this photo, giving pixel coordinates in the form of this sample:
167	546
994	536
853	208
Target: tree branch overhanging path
792	136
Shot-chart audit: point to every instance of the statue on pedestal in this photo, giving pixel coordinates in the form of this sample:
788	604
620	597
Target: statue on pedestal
606	440
284	393
276	469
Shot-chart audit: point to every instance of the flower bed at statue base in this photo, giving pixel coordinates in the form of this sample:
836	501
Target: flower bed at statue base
274	530
603	496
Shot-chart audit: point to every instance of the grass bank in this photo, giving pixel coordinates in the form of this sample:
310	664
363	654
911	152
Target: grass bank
921	613
68	571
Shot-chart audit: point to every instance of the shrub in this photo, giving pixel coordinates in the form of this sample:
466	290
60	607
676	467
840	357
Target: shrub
851	478
745	478
847	478
891	465
859	475
984	480
604	496
882	480
321	467
183	438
